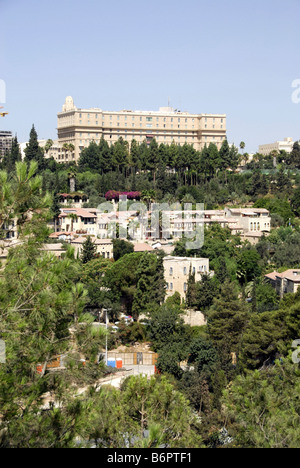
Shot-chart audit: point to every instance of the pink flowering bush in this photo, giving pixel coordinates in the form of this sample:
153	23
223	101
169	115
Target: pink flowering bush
114	195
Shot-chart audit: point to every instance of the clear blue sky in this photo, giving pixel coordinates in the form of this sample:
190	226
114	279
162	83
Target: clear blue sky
236	57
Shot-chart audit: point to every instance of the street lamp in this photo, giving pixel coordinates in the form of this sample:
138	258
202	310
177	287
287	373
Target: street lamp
106	326
106	358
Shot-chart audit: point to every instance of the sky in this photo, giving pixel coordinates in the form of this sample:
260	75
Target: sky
234	57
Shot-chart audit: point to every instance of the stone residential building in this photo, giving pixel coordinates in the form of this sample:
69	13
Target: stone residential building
80	127
286	282
78	221
177	270
250	223
104	247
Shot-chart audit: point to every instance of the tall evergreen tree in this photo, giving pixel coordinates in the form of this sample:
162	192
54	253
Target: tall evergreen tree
150	285
33	151
13	156
88	251
191	290
226	321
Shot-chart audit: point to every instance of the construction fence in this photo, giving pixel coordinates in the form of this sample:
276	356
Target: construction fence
135	359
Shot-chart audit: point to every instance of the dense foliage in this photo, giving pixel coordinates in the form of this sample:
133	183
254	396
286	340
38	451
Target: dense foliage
231	382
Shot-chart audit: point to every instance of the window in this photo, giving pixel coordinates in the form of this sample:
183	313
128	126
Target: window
171	271
185	287
184	271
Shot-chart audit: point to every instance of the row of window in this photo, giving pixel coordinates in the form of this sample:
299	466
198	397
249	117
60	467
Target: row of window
256	226
170	287
148	119
201	269
151	118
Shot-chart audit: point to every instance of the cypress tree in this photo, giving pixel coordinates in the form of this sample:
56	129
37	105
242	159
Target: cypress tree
33	151
88	251
13	156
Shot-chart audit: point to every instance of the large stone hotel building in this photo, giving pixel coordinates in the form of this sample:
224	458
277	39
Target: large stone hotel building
82	126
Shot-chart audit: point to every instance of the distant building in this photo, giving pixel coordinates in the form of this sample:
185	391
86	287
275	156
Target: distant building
78	221
6	139
286	282
82	126
74	200
142	247
250	223
177	270
104	247
286	145
56	151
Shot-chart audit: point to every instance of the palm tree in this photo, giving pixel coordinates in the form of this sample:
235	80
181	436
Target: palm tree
242	146
148	196
73	218
72	180
68	148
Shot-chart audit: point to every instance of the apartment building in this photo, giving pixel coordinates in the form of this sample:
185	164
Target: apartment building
250	223
177	270
80	127
78	221
6	138
285	145
249	219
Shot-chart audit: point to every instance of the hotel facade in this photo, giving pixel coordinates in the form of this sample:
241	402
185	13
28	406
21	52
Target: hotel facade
80	127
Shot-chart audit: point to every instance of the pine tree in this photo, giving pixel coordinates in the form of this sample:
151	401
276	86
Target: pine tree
13	156
227	320
88	251
150	286
191	289
33	151
39	304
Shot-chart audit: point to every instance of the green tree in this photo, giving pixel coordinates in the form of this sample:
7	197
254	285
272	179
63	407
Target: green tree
33	151
90	158
120	418
191	289
40	305
88	251
121	248
227	320
13	156
263	407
